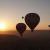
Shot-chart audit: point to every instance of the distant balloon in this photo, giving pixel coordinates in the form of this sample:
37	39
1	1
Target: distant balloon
21	27
48	25
32	20
22	17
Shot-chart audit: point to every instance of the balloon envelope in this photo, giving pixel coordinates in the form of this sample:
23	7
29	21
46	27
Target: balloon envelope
22	17
48	25
21	27
32	20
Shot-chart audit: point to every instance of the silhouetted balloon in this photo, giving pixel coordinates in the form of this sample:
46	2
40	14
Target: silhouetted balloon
21	27
32	20
22	17
48	25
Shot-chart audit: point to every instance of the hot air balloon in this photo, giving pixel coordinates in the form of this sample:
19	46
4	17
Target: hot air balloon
48	25
32	20
21	27
22	17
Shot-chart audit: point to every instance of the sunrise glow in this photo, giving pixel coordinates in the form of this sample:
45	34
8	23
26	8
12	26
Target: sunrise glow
2	26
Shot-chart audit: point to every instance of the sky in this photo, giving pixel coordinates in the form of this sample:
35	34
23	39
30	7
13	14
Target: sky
11	12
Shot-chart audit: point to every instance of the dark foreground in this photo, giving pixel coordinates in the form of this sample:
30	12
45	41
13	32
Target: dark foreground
37	40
